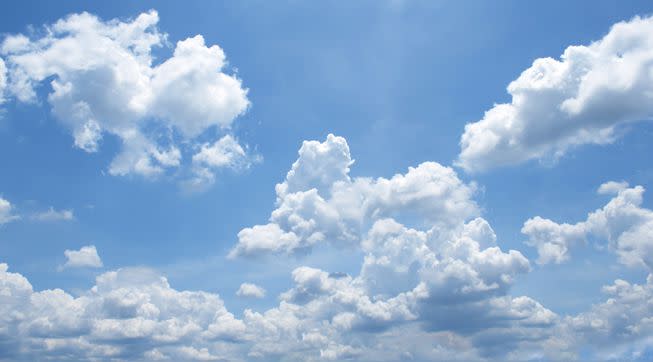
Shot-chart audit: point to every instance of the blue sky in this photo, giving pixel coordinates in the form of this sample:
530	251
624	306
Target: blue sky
396	82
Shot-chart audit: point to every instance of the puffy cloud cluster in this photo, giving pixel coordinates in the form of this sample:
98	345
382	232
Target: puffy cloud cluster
443	275
6	212
86	257
104	79
320	203
433	283
130	314
620	328
622	222
558	104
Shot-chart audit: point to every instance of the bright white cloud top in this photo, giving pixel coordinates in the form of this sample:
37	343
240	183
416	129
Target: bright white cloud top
104	79
250	290
86	257
319	203
583	98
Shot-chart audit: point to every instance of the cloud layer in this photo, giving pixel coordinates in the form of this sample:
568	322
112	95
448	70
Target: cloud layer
433	284
583	98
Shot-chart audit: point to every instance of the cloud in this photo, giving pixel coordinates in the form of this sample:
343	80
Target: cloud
6	214
3	80
433	284
86	257
319	203
619	328
582	98
622	223
250	290
130	313
104	80
445	274
223	153
54	215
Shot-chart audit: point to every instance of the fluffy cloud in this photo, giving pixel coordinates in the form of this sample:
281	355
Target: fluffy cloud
129	314
444	274
319	203
250	290
622	222
620	328
54	215
6	214
223	153
433	283
86	257
103	80
582	98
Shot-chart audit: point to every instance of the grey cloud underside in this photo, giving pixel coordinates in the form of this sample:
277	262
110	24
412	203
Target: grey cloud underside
582	98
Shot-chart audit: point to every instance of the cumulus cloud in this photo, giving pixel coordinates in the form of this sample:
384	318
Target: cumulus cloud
619	328
104	80
250	290
86	257
223	153
54	215
320	203
433	283
130	313
582	98
623	223
6	212
445	273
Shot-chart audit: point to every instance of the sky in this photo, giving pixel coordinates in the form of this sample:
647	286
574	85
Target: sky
372	180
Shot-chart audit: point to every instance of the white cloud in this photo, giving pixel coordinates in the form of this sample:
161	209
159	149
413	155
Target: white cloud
130	314
446	274
250	290
223	153
54	215
620	328
434	284
104	81
622	222
86	257
557	104
6	214
3	79
318	202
